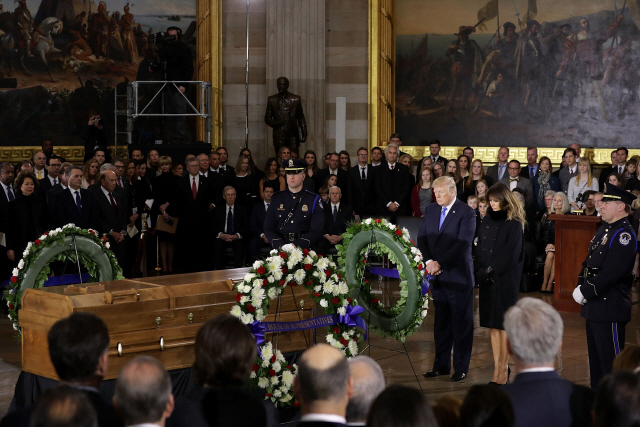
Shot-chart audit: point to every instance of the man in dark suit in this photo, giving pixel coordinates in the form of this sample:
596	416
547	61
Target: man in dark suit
218	177
333	169
62	184
566	173
336	215
39	167
78	348
538	395
194	231
52	178
285	116
514	180
391	182
75	205
434	149
531	171
230	229
256	223
47	149
444	239
499	170
6	195
143	392
361	178
323	386
111	214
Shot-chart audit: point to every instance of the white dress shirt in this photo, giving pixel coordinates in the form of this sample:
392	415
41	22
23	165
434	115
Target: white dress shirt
197	179
73	193
52	180
6	191
205	174
327	418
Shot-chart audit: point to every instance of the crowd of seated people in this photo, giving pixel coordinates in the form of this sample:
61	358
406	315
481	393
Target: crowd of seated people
215	205
330	390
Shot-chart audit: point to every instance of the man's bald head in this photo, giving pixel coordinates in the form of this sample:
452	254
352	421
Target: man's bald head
323	375
108	180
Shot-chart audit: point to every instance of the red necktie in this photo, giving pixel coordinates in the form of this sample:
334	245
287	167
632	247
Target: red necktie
113	203
120	182
392	166
194	188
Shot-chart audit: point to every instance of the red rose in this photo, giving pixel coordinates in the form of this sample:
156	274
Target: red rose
273	359
344	342
11	307
296	404
374	301
261	270
398	232
251	308
283	255
14	279
364	261
272	373
282	282
264	282
92	232
366	281
268	395
327	272
308	267
309	283
316	294
355	339
349	300
378	221
284	270
238	296
293	284
289	367
420	266
46	234
336	330
413	243
338	277
37	242
255	368
335	301
319	256
305	252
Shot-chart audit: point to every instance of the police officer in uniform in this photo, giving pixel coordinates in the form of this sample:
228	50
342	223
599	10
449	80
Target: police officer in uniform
295	215
605	282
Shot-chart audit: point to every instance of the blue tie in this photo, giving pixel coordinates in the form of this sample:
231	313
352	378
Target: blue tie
442	217
230	222
78	203
11	196
335	213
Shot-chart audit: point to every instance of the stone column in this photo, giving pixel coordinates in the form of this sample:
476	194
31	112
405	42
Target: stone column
296	50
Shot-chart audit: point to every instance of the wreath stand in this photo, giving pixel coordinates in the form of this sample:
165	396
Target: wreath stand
370	253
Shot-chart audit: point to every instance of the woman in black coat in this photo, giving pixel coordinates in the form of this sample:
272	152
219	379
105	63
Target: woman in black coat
26	215
501	242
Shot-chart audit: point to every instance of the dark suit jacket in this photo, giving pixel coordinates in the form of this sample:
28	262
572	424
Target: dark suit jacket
524	172
526	185
240	220
545	399
344	215
274	118
66	210
492	172
4	203
105	219
392	186
46	186
451	246
362	200
27	219
194	213
258	214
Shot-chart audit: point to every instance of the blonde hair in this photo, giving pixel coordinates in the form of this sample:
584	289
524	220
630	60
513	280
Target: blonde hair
565	203
585	161
446	181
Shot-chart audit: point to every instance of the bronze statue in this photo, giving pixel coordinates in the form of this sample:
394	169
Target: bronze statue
285	116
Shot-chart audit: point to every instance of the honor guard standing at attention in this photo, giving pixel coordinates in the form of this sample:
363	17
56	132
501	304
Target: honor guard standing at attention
295	215
605	282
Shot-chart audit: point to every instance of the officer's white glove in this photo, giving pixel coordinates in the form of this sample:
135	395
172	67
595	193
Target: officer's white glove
578	297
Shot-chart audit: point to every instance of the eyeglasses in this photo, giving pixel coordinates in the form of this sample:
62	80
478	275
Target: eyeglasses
363	155
514	169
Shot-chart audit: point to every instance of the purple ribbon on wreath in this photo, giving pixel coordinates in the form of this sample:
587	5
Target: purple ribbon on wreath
426	283
352	319
257	329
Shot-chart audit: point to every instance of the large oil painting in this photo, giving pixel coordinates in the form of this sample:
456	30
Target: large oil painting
61	60
518	72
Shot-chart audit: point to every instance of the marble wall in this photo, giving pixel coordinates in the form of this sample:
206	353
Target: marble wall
325	57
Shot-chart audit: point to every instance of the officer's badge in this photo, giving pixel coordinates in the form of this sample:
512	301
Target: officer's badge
290	163
281	208
604	240
305	208
625	238
320	204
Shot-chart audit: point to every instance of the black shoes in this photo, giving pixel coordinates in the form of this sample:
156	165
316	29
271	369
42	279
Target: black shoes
458	376
435	373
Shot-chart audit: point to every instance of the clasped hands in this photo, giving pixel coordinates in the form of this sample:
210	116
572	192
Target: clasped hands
434	268
228	237
118	236
393	206
333	239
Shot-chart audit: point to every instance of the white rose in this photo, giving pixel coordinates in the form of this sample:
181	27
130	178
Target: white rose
308	260
391	226
288	248
256	265
367	221
275	380
246	318
324	303
353	348
257	293
316	288
249	277
107	245
345	302
343	288
270	279
253	375
25	253
423	313
286	398
273	252
271	293
263	382
287	378
276	367
277	393
236	311
299	276
243	300
341	311
15	272
417	258
15	327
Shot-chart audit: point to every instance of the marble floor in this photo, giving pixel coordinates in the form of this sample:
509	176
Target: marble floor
572	362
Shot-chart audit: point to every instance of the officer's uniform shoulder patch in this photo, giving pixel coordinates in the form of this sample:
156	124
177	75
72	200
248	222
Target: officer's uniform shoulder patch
625	238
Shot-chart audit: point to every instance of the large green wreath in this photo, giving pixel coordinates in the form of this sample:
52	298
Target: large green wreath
58	245
402	319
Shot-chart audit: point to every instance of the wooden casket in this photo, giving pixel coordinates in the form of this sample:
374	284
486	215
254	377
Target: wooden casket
157	316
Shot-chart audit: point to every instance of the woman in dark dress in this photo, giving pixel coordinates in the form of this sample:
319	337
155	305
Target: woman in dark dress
501	242
271	177
245	184
166	195
26	215
257	173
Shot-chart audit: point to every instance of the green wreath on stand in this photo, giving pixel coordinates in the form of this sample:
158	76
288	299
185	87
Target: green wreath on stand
60	245
380	237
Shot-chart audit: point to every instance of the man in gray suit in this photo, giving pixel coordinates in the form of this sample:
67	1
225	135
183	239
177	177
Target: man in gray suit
570	171
498	171
514	180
